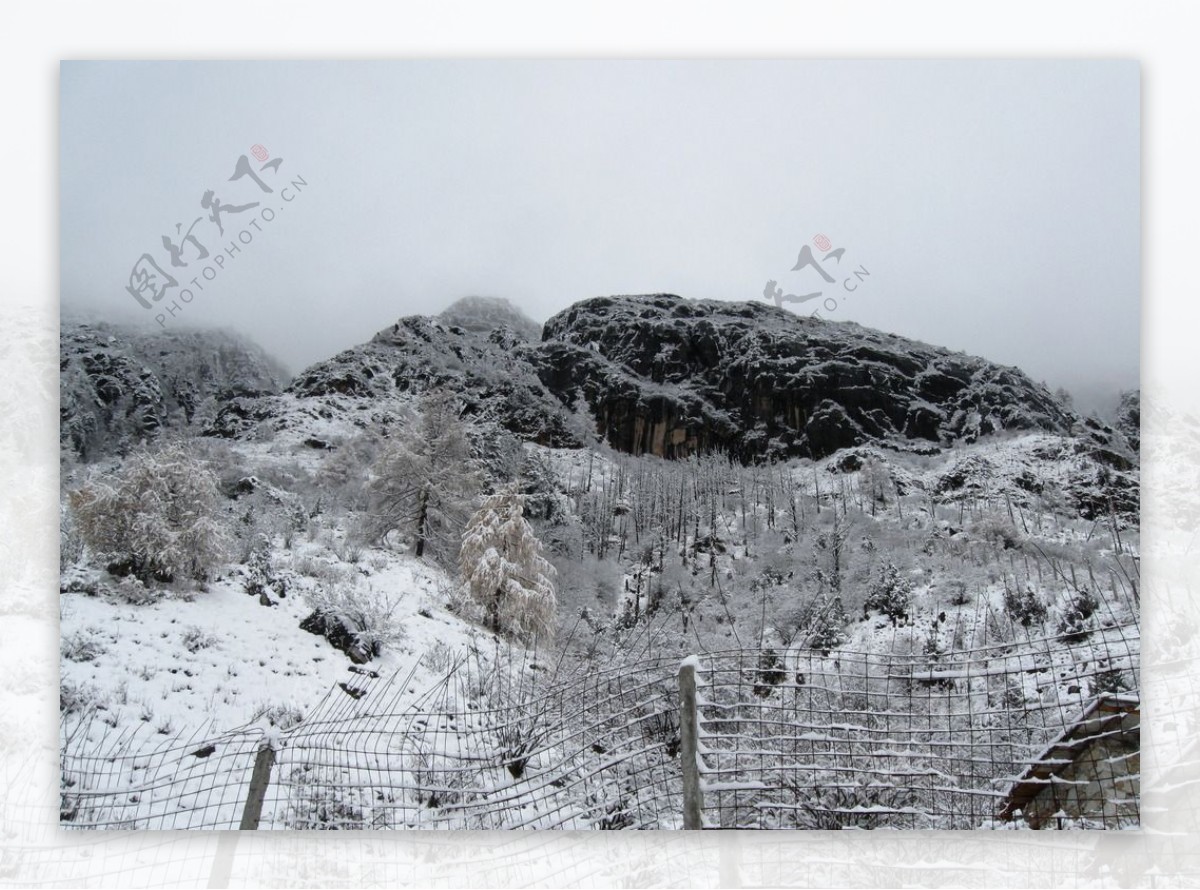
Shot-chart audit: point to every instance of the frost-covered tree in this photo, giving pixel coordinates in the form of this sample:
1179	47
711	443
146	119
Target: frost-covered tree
876	481
504	571
890	594
543	499
156	517
831	547
818	623
424	483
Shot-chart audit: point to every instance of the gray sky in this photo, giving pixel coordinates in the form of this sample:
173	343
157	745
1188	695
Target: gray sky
994	204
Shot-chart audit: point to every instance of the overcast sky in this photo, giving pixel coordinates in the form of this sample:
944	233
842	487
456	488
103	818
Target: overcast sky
995	205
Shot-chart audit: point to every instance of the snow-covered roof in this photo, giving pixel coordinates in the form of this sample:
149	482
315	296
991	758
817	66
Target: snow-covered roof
1105	717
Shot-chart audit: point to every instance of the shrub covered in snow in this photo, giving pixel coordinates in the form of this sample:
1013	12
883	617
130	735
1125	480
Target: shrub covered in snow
957	592
367	617
998	530
1076	615
834	803
820	623
82	646
133	592
827	628
76	698
196	638
156	517
1023	605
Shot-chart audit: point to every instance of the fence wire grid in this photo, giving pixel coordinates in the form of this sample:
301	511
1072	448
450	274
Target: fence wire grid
1042	733
1039	733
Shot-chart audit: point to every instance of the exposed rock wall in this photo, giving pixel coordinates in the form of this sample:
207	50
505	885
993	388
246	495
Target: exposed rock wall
670	376
119	386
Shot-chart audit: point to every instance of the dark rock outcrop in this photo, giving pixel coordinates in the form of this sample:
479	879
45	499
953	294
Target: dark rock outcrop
121	385
488	368
669	376
339	636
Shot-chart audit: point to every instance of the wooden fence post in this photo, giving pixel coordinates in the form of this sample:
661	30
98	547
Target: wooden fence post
221	873
259	780
689	747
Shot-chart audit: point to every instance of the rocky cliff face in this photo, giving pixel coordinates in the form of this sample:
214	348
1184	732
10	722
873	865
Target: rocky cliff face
653	374
669	376
489	368
120	385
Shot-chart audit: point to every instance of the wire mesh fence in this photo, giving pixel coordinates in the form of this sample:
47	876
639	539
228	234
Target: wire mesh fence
491	746
1039	730
133	780
1040	733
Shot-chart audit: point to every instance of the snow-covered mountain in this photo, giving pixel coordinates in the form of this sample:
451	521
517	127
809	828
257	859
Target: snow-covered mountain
671	376
652	374
483	315
479	349
667	376
700	475
120	385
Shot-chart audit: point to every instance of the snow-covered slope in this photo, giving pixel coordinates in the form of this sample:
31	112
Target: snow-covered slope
1003	520
222	657
121	385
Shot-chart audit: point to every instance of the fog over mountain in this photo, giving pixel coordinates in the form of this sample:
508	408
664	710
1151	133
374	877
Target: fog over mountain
994	205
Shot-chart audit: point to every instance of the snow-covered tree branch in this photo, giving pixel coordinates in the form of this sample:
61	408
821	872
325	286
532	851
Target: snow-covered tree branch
157	516
504	570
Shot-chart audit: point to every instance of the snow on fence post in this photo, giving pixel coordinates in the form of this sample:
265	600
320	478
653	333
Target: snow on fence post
259	780
689	747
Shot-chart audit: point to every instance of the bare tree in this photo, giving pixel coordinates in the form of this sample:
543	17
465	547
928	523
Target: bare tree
424	483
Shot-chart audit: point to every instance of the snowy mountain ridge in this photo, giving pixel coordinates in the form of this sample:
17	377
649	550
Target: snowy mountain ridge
662	375
671	377
120	385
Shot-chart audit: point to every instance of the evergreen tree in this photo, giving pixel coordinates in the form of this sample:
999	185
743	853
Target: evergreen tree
890	594
504	571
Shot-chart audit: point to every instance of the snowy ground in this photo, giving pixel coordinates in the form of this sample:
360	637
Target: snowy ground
197	663
220	658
